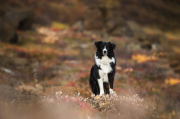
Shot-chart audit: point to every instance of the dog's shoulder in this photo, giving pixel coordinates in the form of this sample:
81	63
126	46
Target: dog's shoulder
97	60
113	60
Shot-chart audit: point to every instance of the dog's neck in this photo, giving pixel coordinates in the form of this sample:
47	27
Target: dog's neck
105	59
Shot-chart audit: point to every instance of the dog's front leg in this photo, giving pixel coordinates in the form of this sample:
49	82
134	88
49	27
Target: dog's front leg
100	82
111	80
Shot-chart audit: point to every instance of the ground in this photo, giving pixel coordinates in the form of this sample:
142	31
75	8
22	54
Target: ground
49	60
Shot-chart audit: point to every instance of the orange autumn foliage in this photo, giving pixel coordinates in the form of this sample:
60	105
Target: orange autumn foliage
172	81
143	58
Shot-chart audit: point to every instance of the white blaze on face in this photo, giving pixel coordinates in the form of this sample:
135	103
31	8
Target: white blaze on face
104	51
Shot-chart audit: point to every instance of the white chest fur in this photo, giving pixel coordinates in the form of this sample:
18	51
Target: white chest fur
105	64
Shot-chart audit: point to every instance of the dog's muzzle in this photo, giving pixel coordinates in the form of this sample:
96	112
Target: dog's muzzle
105	51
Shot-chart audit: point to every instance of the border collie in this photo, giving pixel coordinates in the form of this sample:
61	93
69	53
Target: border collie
103	71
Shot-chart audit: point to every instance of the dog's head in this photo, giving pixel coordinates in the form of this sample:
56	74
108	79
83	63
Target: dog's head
105	48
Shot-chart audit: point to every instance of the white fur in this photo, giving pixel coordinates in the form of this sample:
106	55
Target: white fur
105	50
106	68
105	64
97	61
113	60
111	90
100	82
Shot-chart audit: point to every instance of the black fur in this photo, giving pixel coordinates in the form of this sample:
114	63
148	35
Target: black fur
100	44
94	74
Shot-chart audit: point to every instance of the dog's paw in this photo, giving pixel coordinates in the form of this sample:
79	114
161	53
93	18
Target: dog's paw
101	95
111	91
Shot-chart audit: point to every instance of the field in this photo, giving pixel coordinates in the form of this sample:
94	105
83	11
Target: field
46	73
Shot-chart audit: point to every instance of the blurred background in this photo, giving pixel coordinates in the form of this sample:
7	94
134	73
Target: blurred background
49	43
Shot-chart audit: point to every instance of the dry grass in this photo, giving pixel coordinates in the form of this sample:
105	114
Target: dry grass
127	107
62	106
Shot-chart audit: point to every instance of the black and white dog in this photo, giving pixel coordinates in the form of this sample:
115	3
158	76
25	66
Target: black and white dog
103	71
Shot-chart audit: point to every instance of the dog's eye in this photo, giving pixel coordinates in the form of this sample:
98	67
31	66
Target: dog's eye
107	47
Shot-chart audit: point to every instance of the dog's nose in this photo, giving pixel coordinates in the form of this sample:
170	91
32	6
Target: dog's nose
105	51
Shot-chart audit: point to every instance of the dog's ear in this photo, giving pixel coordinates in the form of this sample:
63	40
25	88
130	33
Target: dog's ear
98	43
113	45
